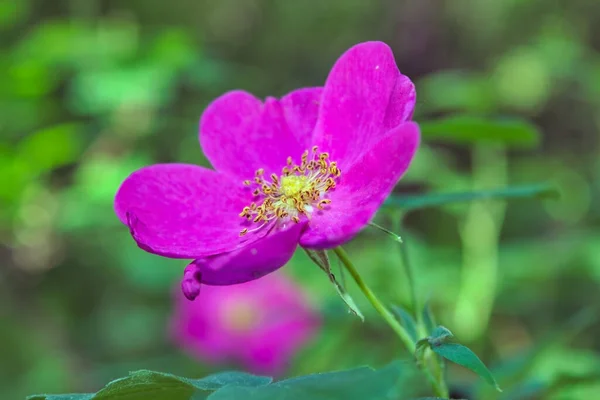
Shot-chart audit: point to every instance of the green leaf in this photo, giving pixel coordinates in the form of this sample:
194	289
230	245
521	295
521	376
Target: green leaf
407	321
140	385
143	384
428	318
462	355
440	335
356	384
79	396
440	199
321	258
233	378
470	129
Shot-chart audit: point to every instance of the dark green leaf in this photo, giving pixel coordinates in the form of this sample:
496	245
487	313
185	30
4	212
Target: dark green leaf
441	332
76	396
472	129
230	378
407	321
462	355
440	335
441	199
356	384
145	384
141	385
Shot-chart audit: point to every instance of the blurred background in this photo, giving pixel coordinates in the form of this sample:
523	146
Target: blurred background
93	89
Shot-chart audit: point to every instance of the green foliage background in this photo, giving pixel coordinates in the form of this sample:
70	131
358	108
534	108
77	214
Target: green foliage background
93	89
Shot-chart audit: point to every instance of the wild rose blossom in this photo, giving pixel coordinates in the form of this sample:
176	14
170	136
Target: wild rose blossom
260	324
311	168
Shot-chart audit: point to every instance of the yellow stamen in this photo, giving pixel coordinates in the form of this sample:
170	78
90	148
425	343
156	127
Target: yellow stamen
295	193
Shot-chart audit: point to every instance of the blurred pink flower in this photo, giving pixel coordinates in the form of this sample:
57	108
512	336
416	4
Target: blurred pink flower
311	168
260	324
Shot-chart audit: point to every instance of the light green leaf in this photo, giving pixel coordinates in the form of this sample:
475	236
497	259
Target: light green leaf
472	129
541	190
346	298
462	355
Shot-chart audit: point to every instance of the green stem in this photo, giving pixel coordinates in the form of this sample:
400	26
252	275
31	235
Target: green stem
438	385
437	364
381	309
410	277
438	371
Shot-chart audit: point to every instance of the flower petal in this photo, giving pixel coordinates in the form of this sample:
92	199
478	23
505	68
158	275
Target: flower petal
270	350
301	108
182	211
362	189
364	97
291	322
402	103
190	284
239	134
250	262
197	329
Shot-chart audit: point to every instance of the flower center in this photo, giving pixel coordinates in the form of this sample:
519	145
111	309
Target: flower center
296	192
240	317
293	184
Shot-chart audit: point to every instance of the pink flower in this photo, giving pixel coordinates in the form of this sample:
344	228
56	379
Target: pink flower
311	168
261	324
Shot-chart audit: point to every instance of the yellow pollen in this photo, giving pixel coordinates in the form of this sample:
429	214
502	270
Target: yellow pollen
240	317
298	191
294	184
